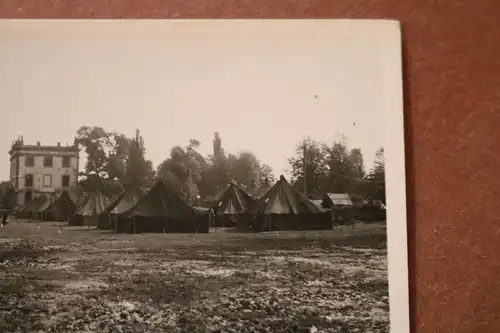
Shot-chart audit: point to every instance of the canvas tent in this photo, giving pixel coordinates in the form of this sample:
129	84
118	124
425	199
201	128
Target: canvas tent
20	211
283	208
256	191
75	220
231	204
62	207
33	206
88	213
108	217
42	212
160	210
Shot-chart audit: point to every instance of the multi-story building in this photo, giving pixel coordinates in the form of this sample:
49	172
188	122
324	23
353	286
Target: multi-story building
36	169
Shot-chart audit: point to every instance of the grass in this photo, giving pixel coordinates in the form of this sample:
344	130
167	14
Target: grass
81	280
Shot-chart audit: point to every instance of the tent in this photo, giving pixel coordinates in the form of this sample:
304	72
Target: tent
20	211
62	207
108	217
42	213
35	204
230	205
257	192
283	208
79	200
75	220
88	213
160	210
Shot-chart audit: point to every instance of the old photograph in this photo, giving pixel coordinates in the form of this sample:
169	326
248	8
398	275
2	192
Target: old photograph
202	176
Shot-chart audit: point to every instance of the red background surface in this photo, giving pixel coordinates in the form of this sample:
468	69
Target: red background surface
452	97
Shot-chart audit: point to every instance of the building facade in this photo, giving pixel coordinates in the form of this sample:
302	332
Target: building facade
36	169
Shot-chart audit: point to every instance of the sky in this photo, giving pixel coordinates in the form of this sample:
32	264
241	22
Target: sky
262	85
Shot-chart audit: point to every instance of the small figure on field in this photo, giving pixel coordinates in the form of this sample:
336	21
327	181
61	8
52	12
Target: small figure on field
4	217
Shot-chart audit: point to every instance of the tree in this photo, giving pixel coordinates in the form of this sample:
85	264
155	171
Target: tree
112	157
183	170
356	162
8	197
95	141
314	166
106	151
345	168
245	168
376	177
138	170
339	168
266	172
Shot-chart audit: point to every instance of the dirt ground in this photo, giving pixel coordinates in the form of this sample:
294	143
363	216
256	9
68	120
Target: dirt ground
56	278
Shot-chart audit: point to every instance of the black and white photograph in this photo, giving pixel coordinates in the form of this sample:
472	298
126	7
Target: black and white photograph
202	176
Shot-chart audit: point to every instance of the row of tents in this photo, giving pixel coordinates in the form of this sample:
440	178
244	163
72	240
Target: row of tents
263	208
239	206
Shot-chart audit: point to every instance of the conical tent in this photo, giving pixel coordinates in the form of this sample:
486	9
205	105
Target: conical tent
79	200
231	203
40	200
93	205
124	202
21	208
35	206
283	198
76	220
107	218
283	207
88	213
41	212
63	207
21	211
234	200
159	210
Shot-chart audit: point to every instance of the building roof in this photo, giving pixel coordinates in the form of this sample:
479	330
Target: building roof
339	199
316	202
19	145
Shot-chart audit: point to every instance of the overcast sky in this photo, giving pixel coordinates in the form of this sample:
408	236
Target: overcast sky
255	83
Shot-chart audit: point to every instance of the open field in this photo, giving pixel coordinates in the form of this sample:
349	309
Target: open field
81	280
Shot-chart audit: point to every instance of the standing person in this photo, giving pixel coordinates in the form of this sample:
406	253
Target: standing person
4	217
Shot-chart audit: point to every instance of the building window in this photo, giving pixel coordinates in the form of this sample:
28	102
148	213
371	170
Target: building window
47	180
65	180
28	181
65	162
30	161
48	161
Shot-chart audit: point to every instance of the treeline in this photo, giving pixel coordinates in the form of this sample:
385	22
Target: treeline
121	165
336	169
